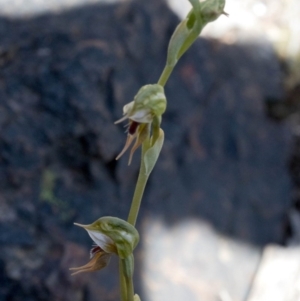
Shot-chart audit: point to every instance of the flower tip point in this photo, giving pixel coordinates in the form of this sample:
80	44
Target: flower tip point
80	225
129	140
121	119
77	271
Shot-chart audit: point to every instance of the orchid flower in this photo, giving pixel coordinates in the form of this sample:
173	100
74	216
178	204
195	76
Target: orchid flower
111	235
148	106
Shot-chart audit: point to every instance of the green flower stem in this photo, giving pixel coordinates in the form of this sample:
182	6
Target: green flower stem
165	75
123	289
139	190
127	270
130	291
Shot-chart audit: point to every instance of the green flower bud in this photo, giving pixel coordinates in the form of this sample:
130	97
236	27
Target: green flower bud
185	34
189	29
212	9
111	235
148	106
150	101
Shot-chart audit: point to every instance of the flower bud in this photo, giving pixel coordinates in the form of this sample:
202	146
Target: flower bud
212	9
150	101
189	29
113	235
143	112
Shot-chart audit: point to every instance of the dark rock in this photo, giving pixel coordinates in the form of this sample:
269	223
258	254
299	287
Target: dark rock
11	234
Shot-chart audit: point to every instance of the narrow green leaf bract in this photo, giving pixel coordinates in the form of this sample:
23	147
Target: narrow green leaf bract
151	155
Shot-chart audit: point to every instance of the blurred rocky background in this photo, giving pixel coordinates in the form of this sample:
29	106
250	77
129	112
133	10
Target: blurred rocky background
226	184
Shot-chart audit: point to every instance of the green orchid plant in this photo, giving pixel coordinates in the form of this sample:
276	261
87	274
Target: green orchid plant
112	235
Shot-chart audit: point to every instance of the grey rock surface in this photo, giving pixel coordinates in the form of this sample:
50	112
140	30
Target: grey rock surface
64	79
29	8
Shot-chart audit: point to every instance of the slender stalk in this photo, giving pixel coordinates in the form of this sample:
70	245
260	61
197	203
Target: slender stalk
139	191
123	289
130	291
127	270
165	75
